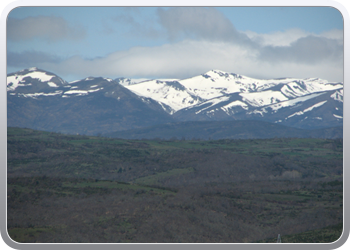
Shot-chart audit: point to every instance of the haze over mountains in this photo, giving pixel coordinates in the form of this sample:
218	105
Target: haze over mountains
41	100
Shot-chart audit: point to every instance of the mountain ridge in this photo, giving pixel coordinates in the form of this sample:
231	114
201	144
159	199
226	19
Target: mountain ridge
240	97
121	104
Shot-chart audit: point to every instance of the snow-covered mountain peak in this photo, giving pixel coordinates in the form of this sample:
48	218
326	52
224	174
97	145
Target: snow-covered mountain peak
215	86
33	69
26	77
128	81
216	74
170	93
90	78
34	83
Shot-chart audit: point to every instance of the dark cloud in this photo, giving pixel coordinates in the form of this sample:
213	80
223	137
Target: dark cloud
209	24
50	28
30	58
199	23
145	28
309	50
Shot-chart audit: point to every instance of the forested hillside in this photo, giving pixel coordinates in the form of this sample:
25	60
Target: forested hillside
65	188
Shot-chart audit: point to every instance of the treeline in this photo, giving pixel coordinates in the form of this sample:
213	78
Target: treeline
215	130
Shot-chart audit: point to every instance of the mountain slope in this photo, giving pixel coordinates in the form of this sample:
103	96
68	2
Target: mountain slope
318	110
88	106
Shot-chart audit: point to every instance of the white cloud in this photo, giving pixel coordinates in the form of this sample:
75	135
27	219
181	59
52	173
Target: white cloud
189	58
279	38
335	34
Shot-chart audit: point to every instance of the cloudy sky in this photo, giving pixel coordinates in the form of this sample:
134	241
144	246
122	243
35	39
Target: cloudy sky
177	42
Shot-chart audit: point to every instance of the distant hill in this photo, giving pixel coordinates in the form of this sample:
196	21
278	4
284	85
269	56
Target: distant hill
224	129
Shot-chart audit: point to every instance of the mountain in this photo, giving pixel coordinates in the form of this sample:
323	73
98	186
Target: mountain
41	100
31	81
217	95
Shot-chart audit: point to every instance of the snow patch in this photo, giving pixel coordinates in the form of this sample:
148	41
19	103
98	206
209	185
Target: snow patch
337	116
226	107
89	78
74	81
33	95
259	99
315	106
52	84
213	102
94	90
292	102
307	110
80	92
338	95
